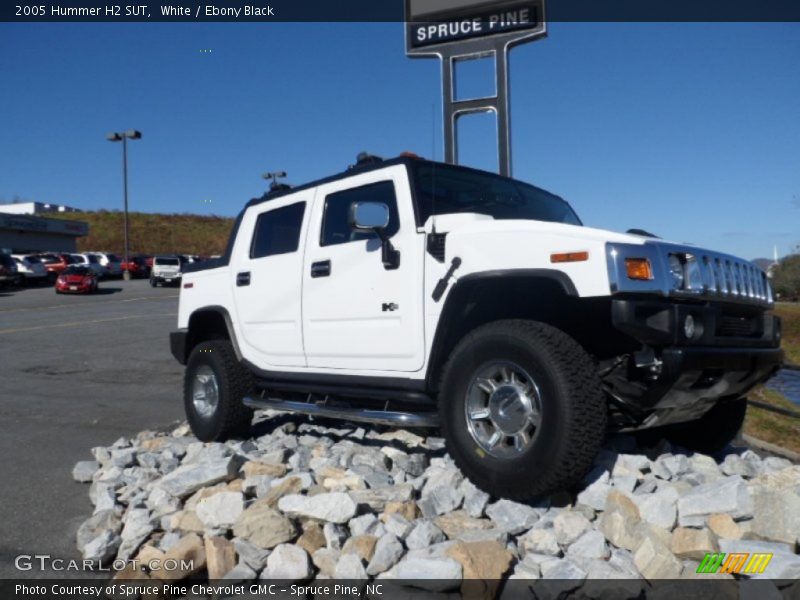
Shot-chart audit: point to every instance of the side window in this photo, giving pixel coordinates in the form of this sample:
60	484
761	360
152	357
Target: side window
336	218
278	231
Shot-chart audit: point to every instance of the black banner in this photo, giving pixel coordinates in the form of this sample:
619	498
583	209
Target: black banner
388	589
389	10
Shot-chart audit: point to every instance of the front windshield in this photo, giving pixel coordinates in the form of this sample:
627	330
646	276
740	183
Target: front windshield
168	261
441	189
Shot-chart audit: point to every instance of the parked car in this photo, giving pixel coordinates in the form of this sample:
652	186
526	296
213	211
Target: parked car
55	263
90	260
137	265
9	275
166	269
111	262
31	268
77	279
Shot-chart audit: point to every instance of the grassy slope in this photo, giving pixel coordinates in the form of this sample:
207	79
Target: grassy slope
790	315
154	233
770	427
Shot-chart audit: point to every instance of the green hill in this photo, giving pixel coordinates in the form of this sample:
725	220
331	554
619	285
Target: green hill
154	233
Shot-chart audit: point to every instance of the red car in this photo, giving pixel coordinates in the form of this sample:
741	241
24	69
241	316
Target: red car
56	263
138	266
76	279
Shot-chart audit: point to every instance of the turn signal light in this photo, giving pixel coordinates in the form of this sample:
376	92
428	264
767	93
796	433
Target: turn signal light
639	268
563	257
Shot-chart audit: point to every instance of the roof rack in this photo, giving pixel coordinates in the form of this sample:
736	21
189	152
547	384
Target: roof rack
275	185
365	158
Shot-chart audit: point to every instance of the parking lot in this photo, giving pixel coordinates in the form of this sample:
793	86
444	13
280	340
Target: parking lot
75	372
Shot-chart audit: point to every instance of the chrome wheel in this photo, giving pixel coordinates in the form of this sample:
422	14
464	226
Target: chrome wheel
503	409
205	391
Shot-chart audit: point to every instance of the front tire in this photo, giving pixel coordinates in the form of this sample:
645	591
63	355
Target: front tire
214	385
153	283
711	432
522	409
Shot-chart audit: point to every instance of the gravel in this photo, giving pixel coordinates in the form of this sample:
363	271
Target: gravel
393	505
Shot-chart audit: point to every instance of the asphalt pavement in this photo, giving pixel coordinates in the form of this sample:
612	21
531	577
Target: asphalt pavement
75	372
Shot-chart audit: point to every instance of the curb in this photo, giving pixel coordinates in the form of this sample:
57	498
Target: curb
771	448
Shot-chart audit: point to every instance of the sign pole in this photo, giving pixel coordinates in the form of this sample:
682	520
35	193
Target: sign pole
503	112
448	115
463	30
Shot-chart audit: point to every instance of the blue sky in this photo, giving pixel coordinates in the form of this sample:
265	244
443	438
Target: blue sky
691	131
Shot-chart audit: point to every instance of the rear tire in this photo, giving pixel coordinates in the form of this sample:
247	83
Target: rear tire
711	432
546	406
214	385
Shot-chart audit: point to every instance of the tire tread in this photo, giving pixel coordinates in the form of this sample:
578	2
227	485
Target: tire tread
235	418
577	371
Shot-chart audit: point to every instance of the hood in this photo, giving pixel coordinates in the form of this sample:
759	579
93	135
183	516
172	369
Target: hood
465	223
73	279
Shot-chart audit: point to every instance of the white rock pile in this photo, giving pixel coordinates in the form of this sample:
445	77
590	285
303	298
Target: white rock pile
310	501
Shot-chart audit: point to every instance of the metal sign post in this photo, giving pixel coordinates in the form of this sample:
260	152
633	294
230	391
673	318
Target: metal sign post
459	30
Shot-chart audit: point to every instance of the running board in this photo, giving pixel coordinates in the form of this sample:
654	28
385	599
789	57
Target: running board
362	415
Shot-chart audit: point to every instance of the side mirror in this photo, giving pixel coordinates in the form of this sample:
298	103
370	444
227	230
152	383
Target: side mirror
374	216
369	215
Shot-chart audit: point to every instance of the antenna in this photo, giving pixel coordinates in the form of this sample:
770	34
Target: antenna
275	184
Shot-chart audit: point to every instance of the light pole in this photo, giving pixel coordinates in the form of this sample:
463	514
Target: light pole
123	137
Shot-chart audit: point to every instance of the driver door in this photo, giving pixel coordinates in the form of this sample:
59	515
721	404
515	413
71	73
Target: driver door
357	314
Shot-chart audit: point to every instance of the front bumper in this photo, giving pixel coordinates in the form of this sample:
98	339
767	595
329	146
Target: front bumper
675	378
174	279
661	323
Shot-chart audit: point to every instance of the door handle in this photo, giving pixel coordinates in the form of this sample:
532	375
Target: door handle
321	268
243	278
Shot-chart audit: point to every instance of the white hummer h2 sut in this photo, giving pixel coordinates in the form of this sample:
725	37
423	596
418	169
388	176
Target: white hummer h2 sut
417	293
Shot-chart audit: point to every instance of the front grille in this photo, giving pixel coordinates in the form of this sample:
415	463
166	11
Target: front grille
700	274
731	277
735	326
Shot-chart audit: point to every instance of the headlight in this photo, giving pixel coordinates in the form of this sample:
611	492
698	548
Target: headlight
676	271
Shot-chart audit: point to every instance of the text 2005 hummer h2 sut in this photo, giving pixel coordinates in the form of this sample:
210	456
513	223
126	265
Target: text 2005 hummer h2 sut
417	293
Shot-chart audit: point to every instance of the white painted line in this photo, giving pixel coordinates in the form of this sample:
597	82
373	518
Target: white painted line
81	323
84	304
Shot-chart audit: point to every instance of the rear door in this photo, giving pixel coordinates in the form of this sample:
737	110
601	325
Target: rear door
267	279
357	314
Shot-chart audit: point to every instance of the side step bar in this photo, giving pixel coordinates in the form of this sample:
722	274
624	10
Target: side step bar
361	415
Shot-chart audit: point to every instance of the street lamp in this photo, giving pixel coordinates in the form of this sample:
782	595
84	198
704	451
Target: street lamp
123	137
